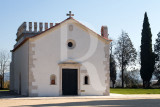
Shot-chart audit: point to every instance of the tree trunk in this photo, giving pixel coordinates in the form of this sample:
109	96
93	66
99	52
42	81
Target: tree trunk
3	80
143	84
146	84
113	83
122	77
122	65
158	82
1	83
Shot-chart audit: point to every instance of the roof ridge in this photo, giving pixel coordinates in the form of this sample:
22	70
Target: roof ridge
56	26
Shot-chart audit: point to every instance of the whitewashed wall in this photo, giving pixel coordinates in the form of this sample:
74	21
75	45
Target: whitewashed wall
51	48
20	68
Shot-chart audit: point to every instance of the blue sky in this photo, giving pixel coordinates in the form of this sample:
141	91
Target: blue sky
118	15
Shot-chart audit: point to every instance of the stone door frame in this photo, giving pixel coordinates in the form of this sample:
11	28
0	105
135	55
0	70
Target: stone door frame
69	66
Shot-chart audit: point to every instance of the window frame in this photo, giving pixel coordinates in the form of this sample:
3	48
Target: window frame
53	77
86	76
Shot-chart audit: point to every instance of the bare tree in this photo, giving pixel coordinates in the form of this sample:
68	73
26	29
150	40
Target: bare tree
125	53
4	64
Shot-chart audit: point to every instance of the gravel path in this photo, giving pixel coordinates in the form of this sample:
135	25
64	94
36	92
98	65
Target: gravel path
114	100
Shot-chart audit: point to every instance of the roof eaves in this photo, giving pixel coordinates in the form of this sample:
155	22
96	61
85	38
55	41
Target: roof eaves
54	27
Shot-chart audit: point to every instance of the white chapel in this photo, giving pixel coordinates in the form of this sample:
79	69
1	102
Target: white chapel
58	59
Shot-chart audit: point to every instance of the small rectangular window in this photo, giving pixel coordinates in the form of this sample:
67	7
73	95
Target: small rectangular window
86	80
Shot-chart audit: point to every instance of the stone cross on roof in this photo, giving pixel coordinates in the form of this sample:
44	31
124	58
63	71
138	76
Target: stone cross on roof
70	14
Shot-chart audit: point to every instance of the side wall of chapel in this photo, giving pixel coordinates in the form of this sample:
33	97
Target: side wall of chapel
19	69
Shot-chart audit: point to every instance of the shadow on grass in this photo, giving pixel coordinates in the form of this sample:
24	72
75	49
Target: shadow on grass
106	103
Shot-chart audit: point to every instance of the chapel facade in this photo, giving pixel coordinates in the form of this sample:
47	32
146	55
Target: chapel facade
66	58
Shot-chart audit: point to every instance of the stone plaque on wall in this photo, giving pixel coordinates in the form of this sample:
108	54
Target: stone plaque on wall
83	71
82	90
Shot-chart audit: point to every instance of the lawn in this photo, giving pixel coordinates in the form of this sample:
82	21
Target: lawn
134	91
4	90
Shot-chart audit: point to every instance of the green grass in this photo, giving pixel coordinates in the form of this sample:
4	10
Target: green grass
4	90
134	91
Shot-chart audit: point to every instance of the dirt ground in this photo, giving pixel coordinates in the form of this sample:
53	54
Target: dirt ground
114	100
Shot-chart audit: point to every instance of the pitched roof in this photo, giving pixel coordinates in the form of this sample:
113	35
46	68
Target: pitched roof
106	39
